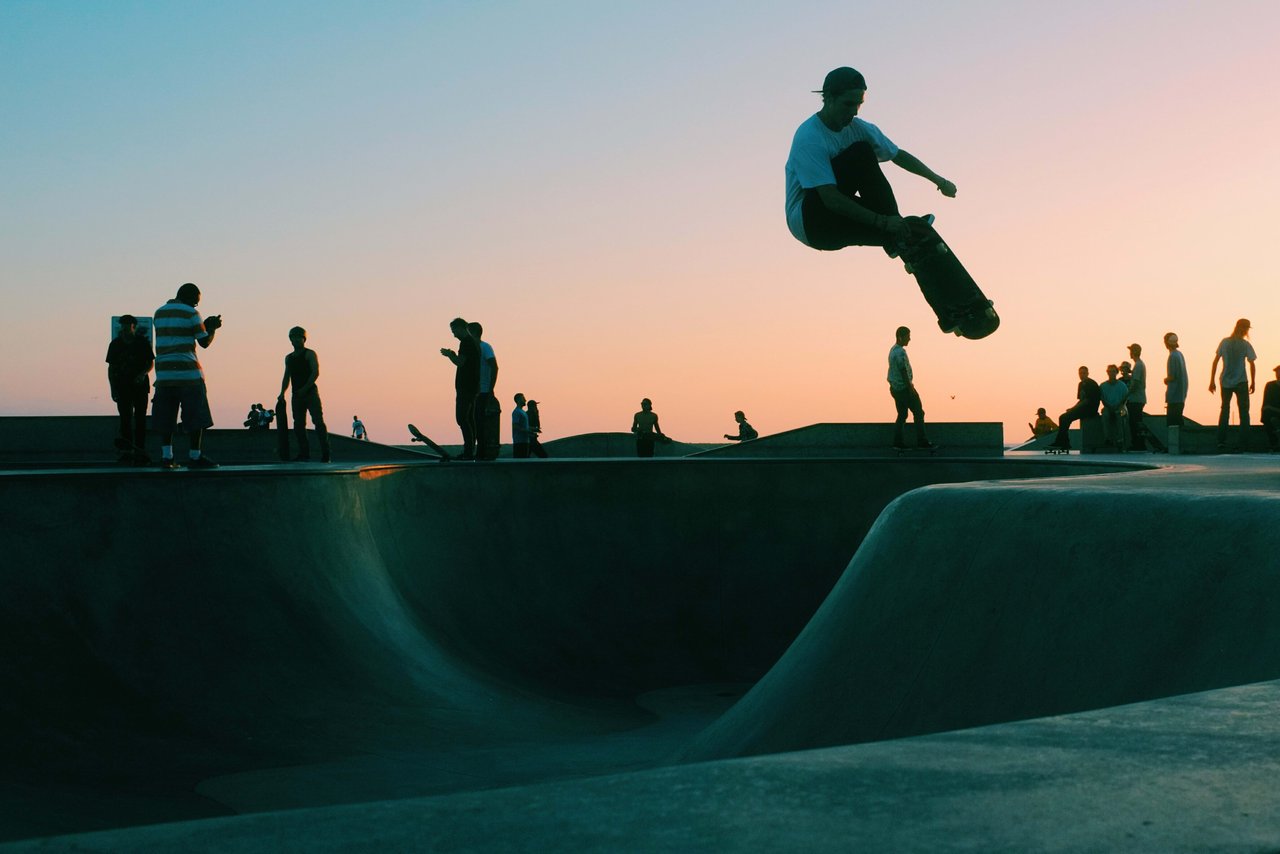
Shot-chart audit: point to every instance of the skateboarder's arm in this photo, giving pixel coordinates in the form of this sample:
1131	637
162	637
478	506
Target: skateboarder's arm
908	161
840	204
452	356
284	383
493	373
211	326
1253	375
1213	372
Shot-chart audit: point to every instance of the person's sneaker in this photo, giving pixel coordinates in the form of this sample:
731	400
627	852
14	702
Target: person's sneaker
201	462
168	463
927	446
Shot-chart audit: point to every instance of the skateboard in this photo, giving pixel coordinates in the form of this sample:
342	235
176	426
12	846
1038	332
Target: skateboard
282	429
1057	449
488	429
419	436
951	292
932	450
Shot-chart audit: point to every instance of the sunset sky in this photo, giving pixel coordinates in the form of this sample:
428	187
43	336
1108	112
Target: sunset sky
601	185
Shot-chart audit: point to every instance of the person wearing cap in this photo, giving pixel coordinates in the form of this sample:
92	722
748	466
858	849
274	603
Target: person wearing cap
1234	350
1176	385
129	361
745	431
1271	412
837	194
1137	382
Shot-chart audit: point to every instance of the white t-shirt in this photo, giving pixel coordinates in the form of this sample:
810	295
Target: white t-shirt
899	368
1234	351
809	164
486	370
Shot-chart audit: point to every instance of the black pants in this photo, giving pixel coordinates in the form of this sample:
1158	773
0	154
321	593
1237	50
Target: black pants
858	176
301	405
465	414
535	448
1072	415
1137	438
131	403
908	399
644	444
1173	418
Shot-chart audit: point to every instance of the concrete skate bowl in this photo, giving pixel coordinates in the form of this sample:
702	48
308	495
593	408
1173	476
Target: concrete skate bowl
985	603
164	628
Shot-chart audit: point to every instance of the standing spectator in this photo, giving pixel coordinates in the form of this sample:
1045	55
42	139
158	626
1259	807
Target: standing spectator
1137	399
1233	351
1114	393
302	368
1175	392
645	427
488	410
535	429
466	384
903	391
179	377
745	431
129	361
1271	412
357	429
1088	397
520	434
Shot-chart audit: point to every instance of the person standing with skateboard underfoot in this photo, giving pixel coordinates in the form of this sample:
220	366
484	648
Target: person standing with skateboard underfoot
903	390
1234	351
837	194
466	384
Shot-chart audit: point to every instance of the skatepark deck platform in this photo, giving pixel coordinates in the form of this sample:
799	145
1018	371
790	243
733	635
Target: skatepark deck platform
565	652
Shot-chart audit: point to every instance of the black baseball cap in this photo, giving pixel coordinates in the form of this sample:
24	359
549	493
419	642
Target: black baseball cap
840	80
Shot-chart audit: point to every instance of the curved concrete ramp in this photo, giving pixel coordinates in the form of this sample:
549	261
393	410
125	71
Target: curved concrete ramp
983	603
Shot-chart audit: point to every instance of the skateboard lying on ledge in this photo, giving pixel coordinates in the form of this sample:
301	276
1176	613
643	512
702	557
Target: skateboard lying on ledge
951	292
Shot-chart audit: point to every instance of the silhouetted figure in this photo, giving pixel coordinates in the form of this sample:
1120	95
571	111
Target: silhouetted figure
1137	383
129	361
1176	386
1088	398
357	429
259	418
302	369
837	194
179	377
1234	350
520	433
1044	425
488	410
903	391
1114	393
535	429
745	431
645	427
1271	412
466	384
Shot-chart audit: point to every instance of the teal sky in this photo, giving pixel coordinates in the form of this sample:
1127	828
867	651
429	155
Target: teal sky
601	185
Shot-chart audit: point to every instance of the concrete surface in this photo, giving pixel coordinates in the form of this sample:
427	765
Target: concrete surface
333	637
953	438
1190	774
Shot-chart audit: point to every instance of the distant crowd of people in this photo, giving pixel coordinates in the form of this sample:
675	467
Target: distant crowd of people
1120	401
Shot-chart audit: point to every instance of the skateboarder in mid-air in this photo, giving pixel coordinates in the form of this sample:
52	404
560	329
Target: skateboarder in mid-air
838	196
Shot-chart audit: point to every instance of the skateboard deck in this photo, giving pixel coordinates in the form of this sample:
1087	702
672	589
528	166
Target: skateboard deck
489	430
913	449
951	292
419	436
282	429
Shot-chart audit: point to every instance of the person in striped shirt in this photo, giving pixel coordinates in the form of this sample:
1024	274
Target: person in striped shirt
179	377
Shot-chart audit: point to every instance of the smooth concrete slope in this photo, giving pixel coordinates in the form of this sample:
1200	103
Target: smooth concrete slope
953	439
164	628
1194	773
979	603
